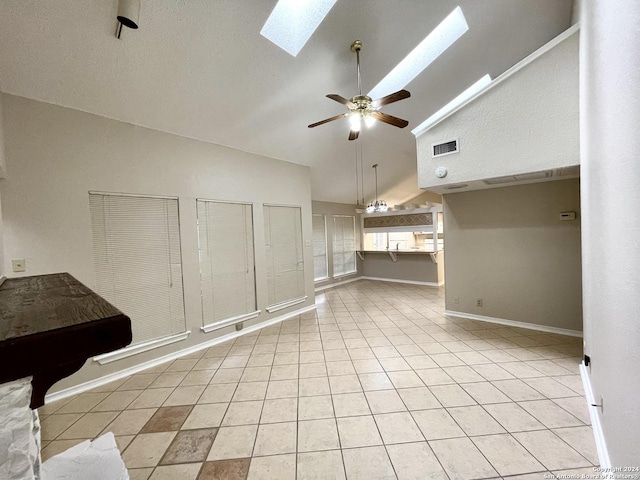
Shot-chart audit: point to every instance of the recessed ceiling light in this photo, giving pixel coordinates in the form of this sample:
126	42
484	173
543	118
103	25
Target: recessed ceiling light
292	22
441	38
453	104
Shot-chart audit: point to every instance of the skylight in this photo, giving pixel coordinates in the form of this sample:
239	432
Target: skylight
292	22
441	38
453	104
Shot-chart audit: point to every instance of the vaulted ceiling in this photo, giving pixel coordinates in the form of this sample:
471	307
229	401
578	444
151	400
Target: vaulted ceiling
201	69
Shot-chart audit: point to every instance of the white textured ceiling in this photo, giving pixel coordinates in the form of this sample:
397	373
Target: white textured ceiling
199	68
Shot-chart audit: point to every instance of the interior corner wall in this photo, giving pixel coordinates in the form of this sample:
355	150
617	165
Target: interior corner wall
609	124
508	247
57	155
328	209
3	172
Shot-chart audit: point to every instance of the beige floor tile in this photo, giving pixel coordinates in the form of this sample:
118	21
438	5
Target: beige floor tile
548	387
284	372
276	439
140	473
345	384
451	396
286	358
123	441
405	379
182	365
350	404
344	367
473	358
437	424
261	360
550	414
434	376
54	425
576	406
311	408
550	450
167	419
89	426
485	392
233	442
475	420
364	353
582	440
320	466
415	461
506	455
385	401
147	449
250	391
418	398
168	379
513	417
118	400
208	363
375	381
368	464
420	362
187	471
218	393
517	390
197	377
206	415
312	370
282	389
235	361
235	469
314	386
139	381
315	356
492	372
367	366
227	375
130	422
358	432
280	410
189	446
113	386
184	396
394	364
463	374
314	435
278	467
398	428
461	459
83	403
243	413
574	382
151	398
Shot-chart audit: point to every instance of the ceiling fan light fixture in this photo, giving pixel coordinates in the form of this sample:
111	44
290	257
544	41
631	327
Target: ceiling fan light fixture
354	121
369	121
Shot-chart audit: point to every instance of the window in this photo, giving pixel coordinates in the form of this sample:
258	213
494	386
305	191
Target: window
227	267
136	252
320	267
285	258
344	245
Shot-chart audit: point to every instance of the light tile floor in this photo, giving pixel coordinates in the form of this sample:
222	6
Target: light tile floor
376	384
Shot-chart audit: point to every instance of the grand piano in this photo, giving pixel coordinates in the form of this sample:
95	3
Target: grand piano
50	325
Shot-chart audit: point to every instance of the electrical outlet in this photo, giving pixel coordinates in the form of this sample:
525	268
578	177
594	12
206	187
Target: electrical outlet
456	300
478	302
239	326
18	265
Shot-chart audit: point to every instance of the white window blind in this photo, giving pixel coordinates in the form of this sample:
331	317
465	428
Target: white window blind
136	252
320	268
227	268
344	245
284	251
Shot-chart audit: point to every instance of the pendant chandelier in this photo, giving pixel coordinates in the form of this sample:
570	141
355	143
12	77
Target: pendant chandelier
378	205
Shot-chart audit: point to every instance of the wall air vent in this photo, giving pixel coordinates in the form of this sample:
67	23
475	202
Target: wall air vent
523	177
445	148
458	186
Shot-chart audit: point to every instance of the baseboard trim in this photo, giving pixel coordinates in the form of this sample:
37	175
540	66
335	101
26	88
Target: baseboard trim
98	382
396	280
594	413
515	323
336	284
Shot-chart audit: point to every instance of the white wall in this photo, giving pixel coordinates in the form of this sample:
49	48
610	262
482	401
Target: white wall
3	169
526	123
56	155
508	246
610	121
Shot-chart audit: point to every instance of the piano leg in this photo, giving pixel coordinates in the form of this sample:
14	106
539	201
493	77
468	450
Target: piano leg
44	379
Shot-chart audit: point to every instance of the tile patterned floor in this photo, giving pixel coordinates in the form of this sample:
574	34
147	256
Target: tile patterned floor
376	384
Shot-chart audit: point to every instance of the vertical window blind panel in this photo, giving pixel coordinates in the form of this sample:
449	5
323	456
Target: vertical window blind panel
136	249
227	265
284	251
319	247
344	245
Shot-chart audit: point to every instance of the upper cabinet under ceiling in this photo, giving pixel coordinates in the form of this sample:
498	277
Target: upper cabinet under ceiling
522	128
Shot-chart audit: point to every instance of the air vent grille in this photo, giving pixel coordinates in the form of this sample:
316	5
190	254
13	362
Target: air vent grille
446	148
519	178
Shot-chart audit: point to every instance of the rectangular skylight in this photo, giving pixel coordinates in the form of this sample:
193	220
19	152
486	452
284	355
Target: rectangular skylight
453	104
441	38
292	22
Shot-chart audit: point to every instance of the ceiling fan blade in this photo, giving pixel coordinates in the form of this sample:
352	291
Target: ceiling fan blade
353	134
393	97
342	100
327	120
390	119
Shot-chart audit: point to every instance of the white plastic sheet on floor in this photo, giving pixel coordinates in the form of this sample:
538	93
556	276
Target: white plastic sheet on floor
19	432
96	460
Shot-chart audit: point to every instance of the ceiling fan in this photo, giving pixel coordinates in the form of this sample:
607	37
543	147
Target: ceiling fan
363	108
